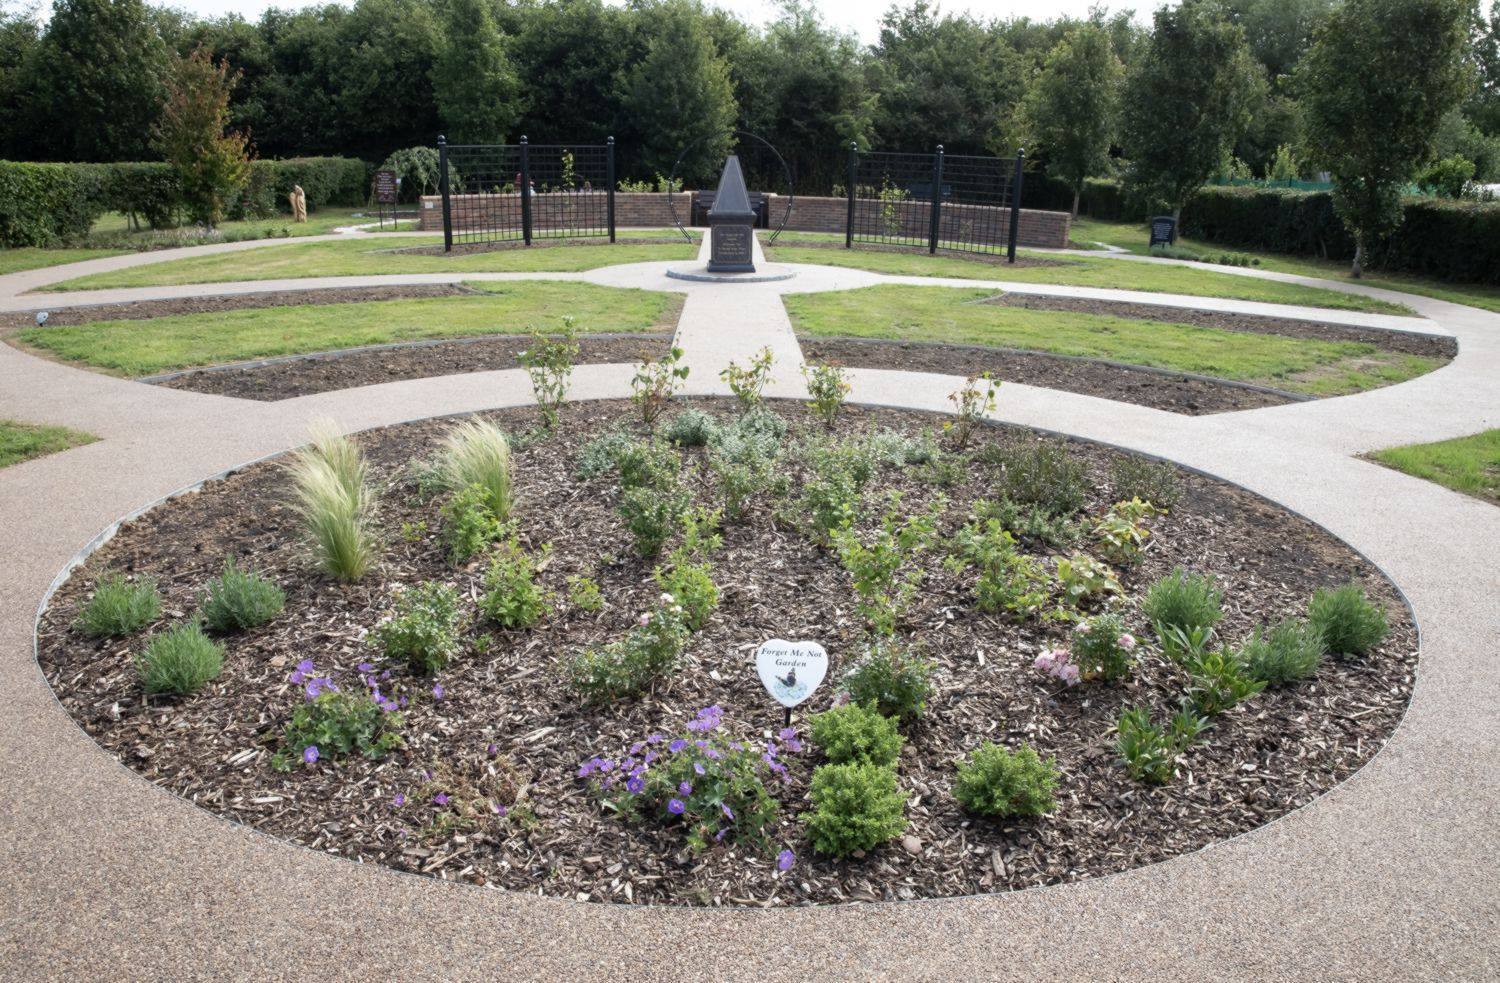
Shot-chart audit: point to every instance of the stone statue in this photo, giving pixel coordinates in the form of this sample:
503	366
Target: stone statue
299	203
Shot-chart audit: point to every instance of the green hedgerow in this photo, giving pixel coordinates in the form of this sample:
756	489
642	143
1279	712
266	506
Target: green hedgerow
119	607
1290	651
239	599
1346	620
512	598
998	782
855	807
179	660
339	723
854	734
423	627
1183	600
892	680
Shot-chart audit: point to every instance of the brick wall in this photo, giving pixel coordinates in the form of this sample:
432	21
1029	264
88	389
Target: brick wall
636	210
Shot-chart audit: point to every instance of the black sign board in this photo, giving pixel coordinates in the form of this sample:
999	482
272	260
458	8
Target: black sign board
386	187
1163	231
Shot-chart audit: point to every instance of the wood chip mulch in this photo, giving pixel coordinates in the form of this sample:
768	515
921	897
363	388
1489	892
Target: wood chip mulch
509	731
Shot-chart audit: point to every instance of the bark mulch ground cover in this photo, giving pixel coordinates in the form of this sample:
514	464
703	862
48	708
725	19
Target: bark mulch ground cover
303	376
506	729
1173	393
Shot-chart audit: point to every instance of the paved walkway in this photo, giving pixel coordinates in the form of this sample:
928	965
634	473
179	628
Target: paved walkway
1392	874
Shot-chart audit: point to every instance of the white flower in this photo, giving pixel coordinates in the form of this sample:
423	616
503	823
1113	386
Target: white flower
667	599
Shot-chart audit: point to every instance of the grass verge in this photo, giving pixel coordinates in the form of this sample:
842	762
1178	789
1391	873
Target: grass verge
1470	465
960	316
24	441
135	348
30	258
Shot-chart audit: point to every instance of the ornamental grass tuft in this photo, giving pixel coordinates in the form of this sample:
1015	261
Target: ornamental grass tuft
476	454
119	607
333	497
179	660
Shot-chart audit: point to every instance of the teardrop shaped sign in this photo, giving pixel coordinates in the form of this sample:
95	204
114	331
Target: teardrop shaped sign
790	671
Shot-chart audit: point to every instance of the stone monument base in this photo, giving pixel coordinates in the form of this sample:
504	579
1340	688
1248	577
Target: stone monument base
767	273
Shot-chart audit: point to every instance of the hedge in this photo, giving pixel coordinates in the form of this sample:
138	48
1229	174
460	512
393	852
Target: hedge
47	204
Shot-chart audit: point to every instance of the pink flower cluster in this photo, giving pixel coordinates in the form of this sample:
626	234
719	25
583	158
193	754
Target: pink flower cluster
1058	664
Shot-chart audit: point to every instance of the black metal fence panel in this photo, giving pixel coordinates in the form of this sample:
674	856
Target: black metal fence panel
508	192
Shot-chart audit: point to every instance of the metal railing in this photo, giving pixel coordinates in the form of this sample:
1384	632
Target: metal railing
508	192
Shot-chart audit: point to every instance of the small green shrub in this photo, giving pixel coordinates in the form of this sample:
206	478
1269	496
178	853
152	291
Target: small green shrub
549	363
647	464
469	527
1043	474
584	594
742	458
119	607
1149	752
1084	580
1290	651
828	386
892	680
856	734
475	454
239	599
970	404
839	472
331	494
652	516
601	454
423	627
998	782
1217	680
1009	581
338	723
692	428
633	663
1150	481
512	598
894	449
854	807
1184	600
179	660
1031	522
883	564
1121	534
1103	648
654	384
692	584
1346	620
749	384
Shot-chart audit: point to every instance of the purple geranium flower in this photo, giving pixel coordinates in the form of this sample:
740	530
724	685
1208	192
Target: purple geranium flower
492	750
784	860
636	785
698	767
441	798
310	753
297	677
727	811
306	666
686	788
677	745
498	809
437	691
365	667
399	800
676	807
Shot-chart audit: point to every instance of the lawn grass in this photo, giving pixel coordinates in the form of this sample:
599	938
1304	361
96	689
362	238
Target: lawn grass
1133	237
31	258
959	316
319	222
23	441
135	348
361	257
1470	465
1087	271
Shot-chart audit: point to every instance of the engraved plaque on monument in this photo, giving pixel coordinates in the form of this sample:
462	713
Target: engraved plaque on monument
731	223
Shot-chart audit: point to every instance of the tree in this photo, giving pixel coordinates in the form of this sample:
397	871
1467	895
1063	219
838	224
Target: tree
1072	107
1187	101
211	164
472	78
1278	31
1375	84
95	81
679	96
18	42
1483	105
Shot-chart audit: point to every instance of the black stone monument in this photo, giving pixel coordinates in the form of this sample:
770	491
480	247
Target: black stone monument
731	222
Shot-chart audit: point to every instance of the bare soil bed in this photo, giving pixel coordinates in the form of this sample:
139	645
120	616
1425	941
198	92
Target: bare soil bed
506	708
285	379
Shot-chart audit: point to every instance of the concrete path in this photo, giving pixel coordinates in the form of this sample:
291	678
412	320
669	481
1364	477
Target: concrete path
1390	875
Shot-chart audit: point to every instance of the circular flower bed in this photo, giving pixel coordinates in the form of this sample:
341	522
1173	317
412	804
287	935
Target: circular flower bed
1047	660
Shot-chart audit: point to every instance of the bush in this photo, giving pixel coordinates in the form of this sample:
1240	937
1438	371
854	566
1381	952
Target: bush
179	660
1043	474
855	807
1031	522
634	662
830	495
1290	651
238	599
476	454
1121	534
601	454
48	204
335	723
742	457
549	363
828	385
1149	752
1084	580
654	383
892	680
334	500
423	627
647	464
652	516
1346	620
748	384
1150	481
584	594
1103	648
883	565
1009	580
512	598
692	428
854	734
997	782
150	191
119	607
1217	680
469	527
1183	600
692	584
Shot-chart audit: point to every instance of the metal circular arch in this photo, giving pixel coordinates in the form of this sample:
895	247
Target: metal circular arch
791	189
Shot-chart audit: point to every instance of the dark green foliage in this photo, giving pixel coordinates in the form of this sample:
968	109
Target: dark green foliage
239	599
998	782
474	83
47	204
339	723
856	734
892	680
855	807
423	628
1290	651
1346	620
1150	481
119	607
1149	752
1043	474
691	428
179	660
1183	599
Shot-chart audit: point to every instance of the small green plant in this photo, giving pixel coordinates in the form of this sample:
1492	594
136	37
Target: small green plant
179	660
1031	522
853	733
1346	620
549	363
970	404
414	532
119	607
655	383
648	464
749	384
692	584
828	385
893	449
839	472
423	627
742	459
475	454
1184	600
1292	650
331	494
1043	474
883	564
998	782
1010	582
1103	649
1084	580
854	807
1184	645
652	516
1151	481
336	724
469	527
512	598
601	454
1217	680
633	663
239	599
584	594
692	428
1122	534
891	215
1149	752
892	680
